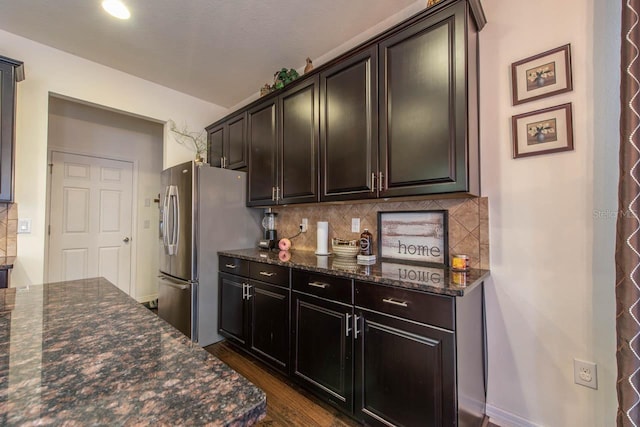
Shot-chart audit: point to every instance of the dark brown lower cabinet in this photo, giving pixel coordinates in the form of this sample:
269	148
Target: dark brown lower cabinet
404	372
322	348
269	307
385	355
255	316
4	278
233	314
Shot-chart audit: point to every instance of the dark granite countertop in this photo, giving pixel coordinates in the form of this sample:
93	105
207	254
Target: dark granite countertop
84	353
416	277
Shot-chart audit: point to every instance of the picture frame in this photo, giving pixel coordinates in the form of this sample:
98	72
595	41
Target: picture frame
414	237
549	130
542	75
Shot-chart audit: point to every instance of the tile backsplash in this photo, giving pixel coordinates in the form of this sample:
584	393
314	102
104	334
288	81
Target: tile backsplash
8	229
468	223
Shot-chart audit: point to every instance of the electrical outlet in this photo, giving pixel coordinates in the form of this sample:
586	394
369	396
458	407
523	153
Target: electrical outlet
304	225
585	373
355	225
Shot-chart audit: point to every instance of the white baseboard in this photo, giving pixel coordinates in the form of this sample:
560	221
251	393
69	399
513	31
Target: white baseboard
503	418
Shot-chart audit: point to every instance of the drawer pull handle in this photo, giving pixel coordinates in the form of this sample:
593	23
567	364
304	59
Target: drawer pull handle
394	302
265	273
230	265
318	285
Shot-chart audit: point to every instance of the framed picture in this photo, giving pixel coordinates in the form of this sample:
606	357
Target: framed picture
543	131
542	75
419	237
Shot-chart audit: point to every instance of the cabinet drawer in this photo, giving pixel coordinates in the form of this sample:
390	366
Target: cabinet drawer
329	287
437	310
269	273
237	266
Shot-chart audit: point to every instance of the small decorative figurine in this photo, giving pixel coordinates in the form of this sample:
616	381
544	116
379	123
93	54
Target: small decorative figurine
309	66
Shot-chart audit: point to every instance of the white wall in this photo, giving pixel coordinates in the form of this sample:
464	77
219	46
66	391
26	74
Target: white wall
50	70
550	297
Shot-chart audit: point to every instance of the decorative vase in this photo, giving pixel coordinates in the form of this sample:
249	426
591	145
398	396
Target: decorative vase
539	81
540	137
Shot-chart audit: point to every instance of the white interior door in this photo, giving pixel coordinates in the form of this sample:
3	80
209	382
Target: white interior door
90	219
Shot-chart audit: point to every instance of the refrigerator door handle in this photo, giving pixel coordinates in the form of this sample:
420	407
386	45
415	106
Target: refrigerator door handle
175	285
172	239
176	207
165	218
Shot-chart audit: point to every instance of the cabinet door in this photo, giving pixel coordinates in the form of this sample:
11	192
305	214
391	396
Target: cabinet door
4	278
269	307
7	117
232	314
298	150
423	113
262	140
322	348
349	128
405	373
215	142
235	149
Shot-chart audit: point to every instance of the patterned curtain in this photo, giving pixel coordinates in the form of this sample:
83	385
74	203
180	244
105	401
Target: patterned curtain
628	223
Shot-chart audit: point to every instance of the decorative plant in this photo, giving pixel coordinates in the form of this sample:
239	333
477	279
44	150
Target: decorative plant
284	77
195	140
280	79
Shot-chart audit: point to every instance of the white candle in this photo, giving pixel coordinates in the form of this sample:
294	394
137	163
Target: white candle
322	238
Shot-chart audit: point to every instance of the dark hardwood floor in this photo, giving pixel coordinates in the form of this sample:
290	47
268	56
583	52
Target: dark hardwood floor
287	404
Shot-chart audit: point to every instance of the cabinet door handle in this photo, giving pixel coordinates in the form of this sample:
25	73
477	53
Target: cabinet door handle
244	291
347	329
373	182
394	302
230	265
381	185
356	322
277	193
318	285
273	193
249	292
266	273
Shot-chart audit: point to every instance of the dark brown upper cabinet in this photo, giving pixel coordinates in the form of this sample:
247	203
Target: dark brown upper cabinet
227	143
283	147
395	116
428	107
349	128
11	72
262	139
298	144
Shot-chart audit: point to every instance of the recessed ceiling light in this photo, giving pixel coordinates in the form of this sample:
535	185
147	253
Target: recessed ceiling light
116	8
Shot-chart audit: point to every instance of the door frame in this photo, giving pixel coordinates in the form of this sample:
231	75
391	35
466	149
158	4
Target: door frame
134	209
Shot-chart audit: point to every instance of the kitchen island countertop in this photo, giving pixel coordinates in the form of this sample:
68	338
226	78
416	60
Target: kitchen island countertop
422	278
84	353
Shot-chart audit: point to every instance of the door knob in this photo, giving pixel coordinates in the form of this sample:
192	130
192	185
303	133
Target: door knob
126	240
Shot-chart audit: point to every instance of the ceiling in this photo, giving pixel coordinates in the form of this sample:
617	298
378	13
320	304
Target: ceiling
221	51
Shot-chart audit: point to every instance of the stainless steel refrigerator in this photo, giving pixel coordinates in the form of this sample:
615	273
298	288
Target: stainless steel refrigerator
202	211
